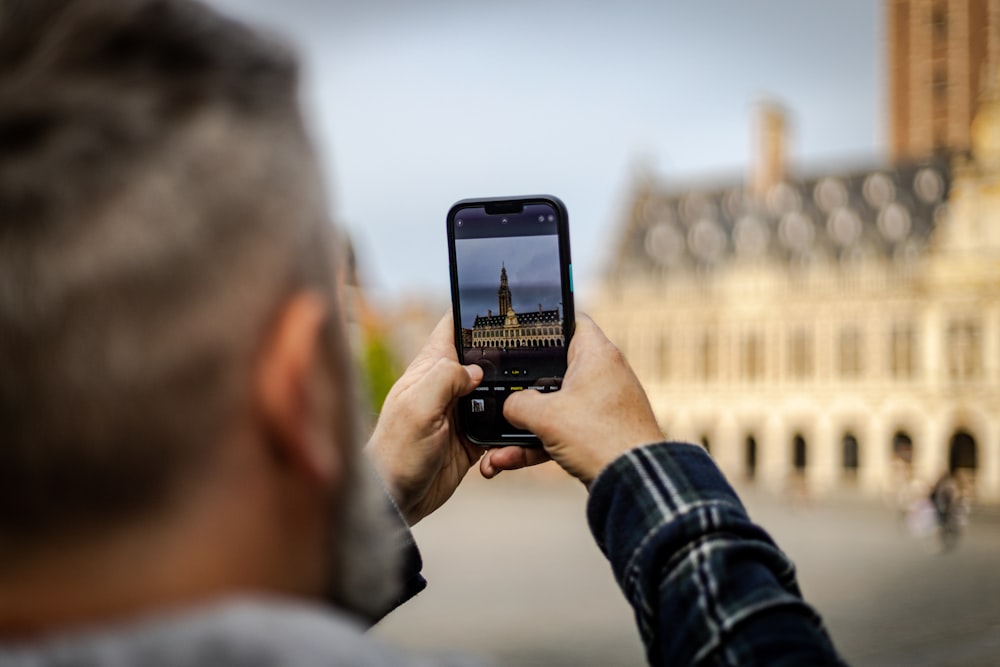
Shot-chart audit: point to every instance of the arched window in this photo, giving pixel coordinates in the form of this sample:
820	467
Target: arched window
962	452
799	453
849	455
902	447
750	458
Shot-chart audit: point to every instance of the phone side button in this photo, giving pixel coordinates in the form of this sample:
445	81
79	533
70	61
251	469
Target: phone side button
571	278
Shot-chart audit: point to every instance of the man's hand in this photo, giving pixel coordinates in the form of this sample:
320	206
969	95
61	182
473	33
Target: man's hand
416	447
600	412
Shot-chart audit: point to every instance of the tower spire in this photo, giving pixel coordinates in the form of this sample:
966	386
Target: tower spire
503	294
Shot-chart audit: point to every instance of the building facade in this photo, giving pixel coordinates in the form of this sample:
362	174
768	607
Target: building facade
834	332
510	329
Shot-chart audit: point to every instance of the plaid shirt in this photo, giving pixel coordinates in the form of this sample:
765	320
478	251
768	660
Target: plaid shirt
707	585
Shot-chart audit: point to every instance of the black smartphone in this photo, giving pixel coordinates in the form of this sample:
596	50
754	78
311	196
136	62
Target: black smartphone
512	298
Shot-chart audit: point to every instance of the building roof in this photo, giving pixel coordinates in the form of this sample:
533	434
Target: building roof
888	212
526	318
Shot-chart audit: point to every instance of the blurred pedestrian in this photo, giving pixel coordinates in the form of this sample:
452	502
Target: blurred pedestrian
945	499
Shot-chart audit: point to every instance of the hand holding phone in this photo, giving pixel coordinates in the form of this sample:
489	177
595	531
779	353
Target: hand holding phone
512	298
420	462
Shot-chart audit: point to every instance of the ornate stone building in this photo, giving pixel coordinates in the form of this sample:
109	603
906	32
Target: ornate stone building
507	329
840	331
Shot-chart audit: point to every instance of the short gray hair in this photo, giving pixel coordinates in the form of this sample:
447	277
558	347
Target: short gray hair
158	199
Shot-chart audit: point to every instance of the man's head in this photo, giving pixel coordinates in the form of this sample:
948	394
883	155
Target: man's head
166	282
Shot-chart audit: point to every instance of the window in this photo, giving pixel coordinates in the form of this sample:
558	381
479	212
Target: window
663	358
902	352
962	452
801	362
706	361
964	351
940	82
849	353
752	357
939	19
849	451
751	458
799	453
940	138
902	447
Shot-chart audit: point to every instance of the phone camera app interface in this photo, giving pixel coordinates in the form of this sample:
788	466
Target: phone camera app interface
511	305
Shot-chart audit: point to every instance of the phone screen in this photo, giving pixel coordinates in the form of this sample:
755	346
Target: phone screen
513	305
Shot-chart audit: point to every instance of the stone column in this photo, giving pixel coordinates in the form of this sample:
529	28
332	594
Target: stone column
774	459
988	476
823	469
930	446
874	456
727	449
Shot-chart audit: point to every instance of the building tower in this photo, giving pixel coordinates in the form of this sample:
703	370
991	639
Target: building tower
941	54
768	167
504	292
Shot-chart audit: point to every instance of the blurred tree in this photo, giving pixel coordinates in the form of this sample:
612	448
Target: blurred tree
374	353
379	365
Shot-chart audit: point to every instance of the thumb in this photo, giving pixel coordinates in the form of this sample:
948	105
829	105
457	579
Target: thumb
524	409
443	383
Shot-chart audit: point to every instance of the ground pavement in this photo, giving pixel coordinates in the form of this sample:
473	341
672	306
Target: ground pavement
515	577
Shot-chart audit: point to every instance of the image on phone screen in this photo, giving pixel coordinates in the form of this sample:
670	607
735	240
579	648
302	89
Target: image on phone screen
510	269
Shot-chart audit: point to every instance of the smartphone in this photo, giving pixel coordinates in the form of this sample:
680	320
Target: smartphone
512	298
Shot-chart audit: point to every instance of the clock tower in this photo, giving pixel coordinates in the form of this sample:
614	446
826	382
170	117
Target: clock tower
504	292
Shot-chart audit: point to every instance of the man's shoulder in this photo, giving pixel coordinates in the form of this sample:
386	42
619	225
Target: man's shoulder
242	633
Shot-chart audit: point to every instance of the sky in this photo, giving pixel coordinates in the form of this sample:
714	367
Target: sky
415	105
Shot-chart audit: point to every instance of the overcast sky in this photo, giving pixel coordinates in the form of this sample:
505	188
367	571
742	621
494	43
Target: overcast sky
418	104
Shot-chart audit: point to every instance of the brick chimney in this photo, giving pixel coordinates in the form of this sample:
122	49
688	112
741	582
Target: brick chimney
770	147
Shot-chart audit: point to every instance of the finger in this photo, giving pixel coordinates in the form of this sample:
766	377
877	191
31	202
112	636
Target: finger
475	372
443	383
521	407
511	458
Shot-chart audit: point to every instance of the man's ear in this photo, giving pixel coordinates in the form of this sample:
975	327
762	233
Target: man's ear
288	394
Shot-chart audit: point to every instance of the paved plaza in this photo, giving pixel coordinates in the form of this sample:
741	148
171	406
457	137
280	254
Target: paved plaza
515	577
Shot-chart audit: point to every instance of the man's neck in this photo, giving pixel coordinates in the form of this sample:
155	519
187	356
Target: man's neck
215	547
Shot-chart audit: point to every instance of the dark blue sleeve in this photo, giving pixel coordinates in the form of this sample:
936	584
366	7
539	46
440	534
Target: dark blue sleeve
707	585
410	565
